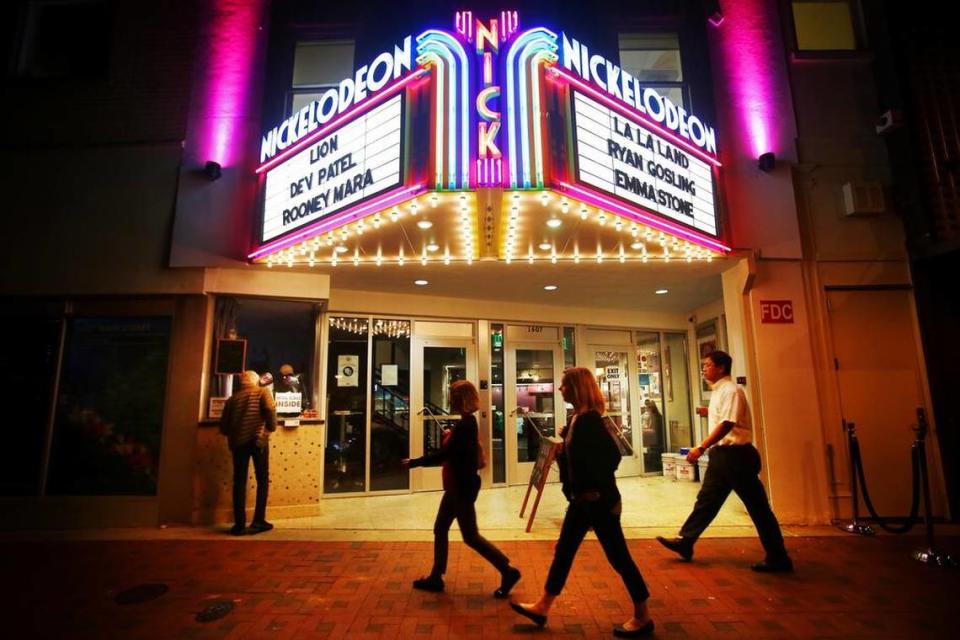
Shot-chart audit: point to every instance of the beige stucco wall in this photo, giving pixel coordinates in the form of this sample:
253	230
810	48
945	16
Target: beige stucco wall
295	467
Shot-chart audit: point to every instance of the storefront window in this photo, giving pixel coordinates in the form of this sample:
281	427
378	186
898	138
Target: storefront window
653	435
345	465
280	339
496	401
28	365
109	410
390	415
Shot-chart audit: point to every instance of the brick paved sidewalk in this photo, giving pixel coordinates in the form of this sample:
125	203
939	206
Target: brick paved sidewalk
844	587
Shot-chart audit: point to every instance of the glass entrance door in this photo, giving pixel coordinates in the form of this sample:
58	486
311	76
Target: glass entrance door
612	368
438	363
534	406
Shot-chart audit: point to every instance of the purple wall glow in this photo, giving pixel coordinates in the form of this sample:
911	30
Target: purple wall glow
751	63
225	90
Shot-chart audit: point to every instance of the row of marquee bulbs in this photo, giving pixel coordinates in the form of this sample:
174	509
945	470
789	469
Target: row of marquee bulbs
671	247
359	326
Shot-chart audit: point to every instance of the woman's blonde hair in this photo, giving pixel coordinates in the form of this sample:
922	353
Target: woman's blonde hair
584	390
464	397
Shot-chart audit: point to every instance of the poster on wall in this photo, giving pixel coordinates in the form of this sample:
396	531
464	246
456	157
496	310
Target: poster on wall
706	344
109	409
348	371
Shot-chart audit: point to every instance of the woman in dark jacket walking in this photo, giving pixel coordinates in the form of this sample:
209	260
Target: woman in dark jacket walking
587	461
460	456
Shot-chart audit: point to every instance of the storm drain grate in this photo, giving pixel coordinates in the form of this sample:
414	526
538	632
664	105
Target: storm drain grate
141	593
215	610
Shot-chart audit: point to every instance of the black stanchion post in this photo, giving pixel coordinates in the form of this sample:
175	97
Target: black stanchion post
930	555
855	526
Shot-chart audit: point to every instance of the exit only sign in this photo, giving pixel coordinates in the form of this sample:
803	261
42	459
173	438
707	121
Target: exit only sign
776	311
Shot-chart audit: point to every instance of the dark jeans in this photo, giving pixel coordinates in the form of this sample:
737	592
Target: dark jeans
580	517
461	508
735	468
261	468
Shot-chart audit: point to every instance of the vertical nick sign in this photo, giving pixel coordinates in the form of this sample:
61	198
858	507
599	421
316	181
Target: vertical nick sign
486	39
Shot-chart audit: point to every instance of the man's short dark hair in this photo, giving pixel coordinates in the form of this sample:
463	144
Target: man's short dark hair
721	359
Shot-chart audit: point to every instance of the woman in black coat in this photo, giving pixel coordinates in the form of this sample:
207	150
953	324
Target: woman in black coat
460	457
587	461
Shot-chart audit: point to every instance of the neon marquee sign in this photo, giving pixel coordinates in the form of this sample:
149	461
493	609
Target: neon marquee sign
489	86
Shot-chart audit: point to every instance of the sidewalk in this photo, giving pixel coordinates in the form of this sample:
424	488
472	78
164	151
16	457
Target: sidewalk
844	587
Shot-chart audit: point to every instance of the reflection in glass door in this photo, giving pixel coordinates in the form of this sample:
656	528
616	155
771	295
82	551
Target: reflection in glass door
345	460
612	370
532	402
664	386
441	363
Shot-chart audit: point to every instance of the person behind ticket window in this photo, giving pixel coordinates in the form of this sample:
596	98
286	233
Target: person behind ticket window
290	382
588	459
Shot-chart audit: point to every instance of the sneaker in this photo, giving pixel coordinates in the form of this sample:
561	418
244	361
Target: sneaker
509	578
260	526
237	530
429	583
773	566
681	546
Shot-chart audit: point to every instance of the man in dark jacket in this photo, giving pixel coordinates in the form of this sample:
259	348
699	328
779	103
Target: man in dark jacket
249	416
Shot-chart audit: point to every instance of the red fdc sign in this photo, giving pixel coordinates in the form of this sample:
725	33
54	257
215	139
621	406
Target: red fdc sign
776	311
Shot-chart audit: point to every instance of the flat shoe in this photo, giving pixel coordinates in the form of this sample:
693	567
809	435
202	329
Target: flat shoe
639	632
537	618
680	546
433	585
781	566
259	527
510	578
237	530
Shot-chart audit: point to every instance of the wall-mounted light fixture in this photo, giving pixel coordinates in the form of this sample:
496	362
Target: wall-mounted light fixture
713	11
212	170
767	161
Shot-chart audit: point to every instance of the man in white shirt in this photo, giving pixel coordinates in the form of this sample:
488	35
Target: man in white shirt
734	466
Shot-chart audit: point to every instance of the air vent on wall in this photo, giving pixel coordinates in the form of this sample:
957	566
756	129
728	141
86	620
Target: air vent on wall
863	199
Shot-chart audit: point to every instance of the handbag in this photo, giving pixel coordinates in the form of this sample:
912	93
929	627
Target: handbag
625	448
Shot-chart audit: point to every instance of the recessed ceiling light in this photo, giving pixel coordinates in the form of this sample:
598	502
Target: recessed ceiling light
424	224
660	292
636	245
433	246
550	287
545	246
341	249
553	223
421	283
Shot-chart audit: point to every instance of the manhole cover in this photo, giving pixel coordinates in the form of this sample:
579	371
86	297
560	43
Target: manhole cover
141	593
215	611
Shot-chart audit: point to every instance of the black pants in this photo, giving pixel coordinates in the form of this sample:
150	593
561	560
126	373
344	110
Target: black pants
580	517
735	468
461	508
261	469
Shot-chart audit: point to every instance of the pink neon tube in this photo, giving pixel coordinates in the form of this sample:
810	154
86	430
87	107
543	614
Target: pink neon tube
603	202
338	220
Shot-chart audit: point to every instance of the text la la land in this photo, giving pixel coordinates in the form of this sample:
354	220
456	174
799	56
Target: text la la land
652	168
333	169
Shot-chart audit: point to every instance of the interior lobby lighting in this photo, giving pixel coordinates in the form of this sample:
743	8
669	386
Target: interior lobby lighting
550	287
424	224
661	292
421	283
